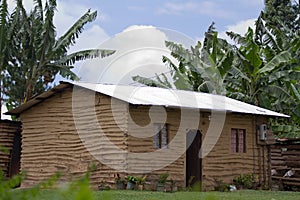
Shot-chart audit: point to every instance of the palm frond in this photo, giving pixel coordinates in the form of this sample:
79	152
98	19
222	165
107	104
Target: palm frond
284	75
86	54
264	36
3	29
163	80
38	9
197	49
149	82
279	93
181	81
48	31
169	63
295	92
282	57
179	52
64	71
236	37
73	33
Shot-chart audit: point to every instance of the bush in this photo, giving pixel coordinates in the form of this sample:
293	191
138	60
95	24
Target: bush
221	186
244	181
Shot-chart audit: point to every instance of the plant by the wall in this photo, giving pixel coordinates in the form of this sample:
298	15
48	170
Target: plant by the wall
140	182
131	182
244	181
162	182
221	186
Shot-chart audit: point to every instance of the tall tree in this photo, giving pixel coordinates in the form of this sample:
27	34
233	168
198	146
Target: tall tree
4	50
37	54
283	13
268	61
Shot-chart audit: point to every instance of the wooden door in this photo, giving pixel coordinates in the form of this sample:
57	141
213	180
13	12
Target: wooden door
14	167
193	160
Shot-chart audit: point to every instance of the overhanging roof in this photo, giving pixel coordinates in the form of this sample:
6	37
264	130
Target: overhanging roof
144	95
37	99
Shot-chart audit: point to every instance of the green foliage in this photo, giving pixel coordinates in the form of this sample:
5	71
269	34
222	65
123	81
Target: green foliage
31	54
244	180
196	187
189	187
163	178
220	186
151	82
77	190
132	179
141	180
283	12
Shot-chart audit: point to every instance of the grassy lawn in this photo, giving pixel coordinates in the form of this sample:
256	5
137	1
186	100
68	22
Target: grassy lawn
136	195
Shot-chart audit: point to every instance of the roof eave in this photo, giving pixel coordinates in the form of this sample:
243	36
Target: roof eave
38	99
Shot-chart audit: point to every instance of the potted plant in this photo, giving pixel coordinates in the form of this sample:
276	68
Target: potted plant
162	182
140	182
131	182
120	182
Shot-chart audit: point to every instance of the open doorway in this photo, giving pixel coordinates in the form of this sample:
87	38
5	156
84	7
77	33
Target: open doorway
193	160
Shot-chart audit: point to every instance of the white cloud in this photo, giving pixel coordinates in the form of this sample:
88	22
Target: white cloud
205	7
138	48
241	28
139	51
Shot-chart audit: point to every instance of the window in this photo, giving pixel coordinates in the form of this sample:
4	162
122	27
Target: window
238	141
160	137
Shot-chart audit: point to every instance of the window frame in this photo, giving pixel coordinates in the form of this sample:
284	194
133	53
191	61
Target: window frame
160	133
235	140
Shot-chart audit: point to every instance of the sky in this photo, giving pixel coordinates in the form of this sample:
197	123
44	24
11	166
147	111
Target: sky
137	30
189	17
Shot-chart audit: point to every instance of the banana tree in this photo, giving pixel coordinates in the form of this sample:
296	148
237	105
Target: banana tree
3	43
200	68
38	55
268	70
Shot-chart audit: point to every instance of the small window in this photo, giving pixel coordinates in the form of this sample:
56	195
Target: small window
238	141
160	137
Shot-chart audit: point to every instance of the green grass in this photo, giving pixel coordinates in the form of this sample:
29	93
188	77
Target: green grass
137	195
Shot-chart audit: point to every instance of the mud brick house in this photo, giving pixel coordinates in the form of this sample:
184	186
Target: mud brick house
142	130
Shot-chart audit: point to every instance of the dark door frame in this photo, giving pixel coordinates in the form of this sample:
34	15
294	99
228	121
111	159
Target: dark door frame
193	161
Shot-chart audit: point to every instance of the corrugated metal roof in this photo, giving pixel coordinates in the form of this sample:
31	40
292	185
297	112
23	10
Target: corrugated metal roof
143	95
